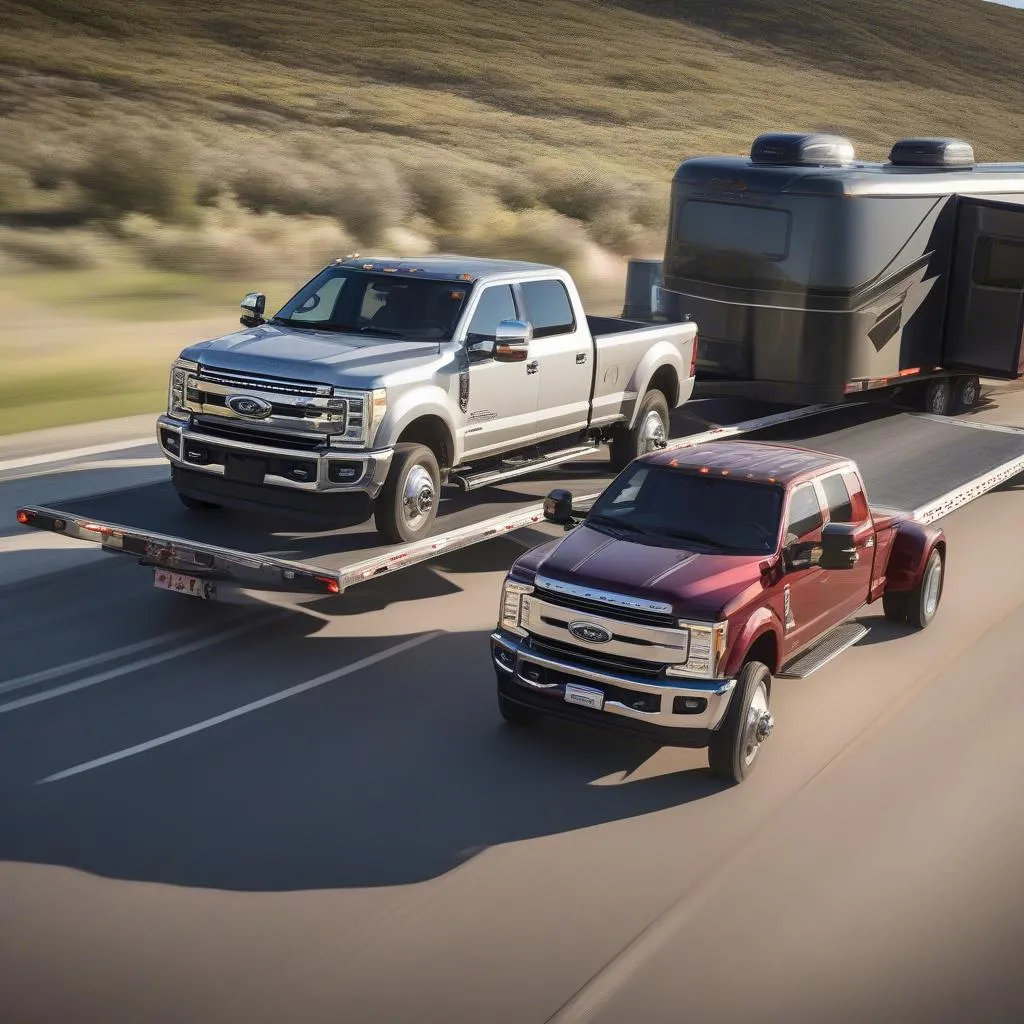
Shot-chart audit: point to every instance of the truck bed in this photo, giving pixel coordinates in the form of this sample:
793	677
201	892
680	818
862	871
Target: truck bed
909	461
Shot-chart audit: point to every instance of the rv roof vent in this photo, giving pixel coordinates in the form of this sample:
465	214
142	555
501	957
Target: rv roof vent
931	153
795	148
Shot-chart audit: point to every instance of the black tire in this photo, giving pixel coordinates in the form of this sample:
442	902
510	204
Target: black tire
516	714
393	523
728	756
923	604
195	504
966	393
937	396
627	445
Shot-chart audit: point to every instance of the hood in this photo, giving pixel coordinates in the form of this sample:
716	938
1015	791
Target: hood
696	584
320	357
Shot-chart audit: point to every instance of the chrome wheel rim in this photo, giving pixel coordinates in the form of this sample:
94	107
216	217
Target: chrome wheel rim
417	497
932	586
652	433
758	725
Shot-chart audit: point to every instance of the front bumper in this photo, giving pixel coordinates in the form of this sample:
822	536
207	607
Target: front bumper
326	470
681	712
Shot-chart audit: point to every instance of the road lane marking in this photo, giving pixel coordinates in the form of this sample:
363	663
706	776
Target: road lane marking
76	453
246	709
20	682
135	666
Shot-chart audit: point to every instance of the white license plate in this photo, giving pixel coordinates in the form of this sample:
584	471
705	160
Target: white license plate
179	583
584	695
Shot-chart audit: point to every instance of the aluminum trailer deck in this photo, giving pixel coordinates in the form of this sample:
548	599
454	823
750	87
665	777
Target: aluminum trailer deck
911	461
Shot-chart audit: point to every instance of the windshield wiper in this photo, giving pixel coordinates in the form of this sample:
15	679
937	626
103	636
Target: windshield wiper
285	322
615	524
370	329
700	538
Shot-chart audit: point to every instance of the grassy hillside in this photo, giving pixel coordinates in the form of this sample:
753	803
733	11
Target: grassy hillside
166	154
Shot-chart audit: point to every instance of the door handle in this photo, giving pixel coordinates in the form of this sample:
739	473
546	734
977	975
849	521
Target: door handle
532	367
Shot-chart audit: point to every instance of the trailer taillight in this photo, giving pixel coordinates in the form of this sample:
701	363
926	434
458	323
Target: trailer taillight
333	586
693	358
24	516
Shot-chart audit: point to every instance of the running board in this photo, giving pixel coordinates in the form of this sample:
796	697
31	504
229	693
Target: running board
486	477
830	646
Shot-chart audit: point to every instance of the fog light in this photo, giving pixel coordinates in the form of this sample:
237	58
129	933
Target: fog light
170	441
344	472
689	705
197	453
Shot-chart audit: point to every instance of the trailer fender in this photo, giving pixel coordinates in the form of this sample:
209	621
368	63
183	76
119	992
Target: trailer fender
760	635
910	551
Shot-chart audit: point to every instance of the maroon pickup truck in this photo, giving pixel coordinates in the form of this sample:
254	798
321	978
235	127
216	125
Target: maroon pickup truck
696	577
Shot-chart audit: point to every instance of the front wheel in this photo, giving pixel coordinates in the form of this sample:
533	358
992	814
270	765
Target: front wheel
407	503
734	748
649	433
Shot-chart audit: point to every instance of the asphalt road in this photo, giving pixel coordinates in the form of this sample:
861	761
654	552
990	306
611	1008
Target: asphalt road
231	814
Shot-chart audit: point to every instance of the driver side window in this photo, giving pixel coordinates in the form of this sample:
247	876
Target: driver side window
496	304
804	520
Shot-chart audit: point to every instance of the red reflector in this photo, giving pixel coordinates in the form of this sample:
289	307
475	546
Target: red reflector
24	517
333	586
704	469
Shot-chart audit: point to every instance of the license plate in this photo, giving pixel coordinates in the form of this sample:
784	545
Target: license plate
179	583
584	695
244	469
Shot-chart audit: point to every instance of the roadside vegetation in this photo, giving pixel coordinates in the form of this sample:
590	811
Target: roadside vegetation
158	165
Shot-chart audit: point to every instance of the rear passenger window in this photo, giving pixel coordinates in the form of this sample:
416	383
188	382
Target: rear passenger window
840	508
549	308
805	515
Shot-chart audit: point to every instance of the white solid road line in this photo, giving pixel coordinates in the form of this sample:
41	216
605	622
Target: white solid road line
76	453
246	709
20	682
135	666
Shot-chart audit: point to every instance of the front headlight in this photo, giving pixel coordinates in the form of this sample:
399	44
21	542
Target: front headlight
176	385
366	410
514	606
706	647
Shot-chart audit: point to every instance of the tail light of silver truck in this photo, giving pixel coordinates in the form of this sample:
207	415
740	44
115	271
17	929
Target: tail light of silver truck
706	647
514	606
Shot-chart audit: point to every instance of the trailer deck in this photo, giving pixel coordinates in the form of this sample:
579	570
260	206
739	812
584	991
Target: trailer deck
910	461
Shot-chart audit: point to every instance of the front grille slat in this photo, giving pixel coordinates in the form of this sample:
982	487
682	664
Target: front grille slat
608	611
291	442
614	663
253	382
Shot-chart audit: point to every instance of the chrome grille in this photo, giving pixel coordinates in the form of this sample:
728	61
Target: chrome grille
253	382
608	611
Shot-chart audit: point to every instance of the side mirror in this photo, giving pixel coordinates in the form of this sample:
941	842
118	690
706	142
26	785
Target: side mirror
512	341
253	307
558	508
838	547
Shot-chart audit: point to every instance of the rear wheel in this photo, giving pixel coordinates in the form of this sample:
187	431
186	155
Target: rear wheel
918	606
649	433
966	393
735	746
937	396
407	503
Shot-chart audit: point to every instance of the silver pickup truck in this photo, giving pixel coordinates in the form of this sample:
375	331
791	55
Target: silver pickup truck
383	379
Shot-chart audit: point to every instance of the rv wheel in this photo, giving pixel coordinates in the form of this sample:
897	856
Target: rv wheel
966	393
937	398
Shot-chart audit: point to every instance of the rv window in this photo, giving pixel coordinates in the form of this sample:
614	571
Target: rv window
999	263
752	230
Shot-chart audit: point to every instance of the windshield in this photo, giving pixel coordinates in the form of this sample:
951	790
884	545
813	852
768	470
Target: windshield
680	508
386	305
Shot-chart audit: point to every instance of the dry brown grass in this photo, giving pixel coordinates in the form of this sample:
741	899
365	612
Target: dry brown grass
162	160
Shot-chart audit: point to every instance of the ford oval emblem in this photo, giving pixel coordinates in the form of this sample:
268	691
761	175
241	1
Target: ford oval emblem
250	406
590	632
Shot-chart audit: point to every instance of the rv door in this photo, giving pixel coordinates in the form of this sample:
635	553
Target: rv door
985	321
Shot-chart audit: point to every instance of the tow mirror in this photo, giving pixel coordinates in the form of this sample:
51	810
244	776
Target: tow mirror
512	341
253	307
558	508
838	547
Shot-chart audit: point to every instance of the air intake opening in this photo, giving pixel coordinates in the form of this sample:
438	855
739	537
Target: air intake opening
802	149
931	153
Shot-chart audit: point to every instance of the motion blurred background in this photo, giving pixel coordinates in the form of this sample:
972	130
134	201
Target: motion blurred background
162	157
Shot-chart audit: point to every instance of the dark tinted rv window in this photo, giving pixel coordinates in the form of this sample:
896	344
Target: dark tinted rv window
752	230
999	263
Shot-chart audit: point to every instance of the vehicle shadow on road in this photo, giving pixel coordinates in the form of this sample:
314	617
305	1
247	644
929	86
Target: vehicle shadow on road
386	777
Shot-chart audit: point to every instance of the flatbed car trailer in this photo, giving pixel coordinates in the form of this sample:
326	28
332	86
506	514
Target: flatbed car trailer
917	462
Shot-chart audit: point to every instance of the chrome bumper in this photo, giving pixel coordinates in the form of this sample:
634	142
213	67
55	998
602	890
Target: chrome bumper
712	696
365	472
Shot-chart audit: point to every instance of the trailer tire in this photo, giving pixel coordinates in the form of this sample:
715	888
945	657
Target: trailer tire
651	428
515	714
966	393
937	396
196	504
407	503
736	745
